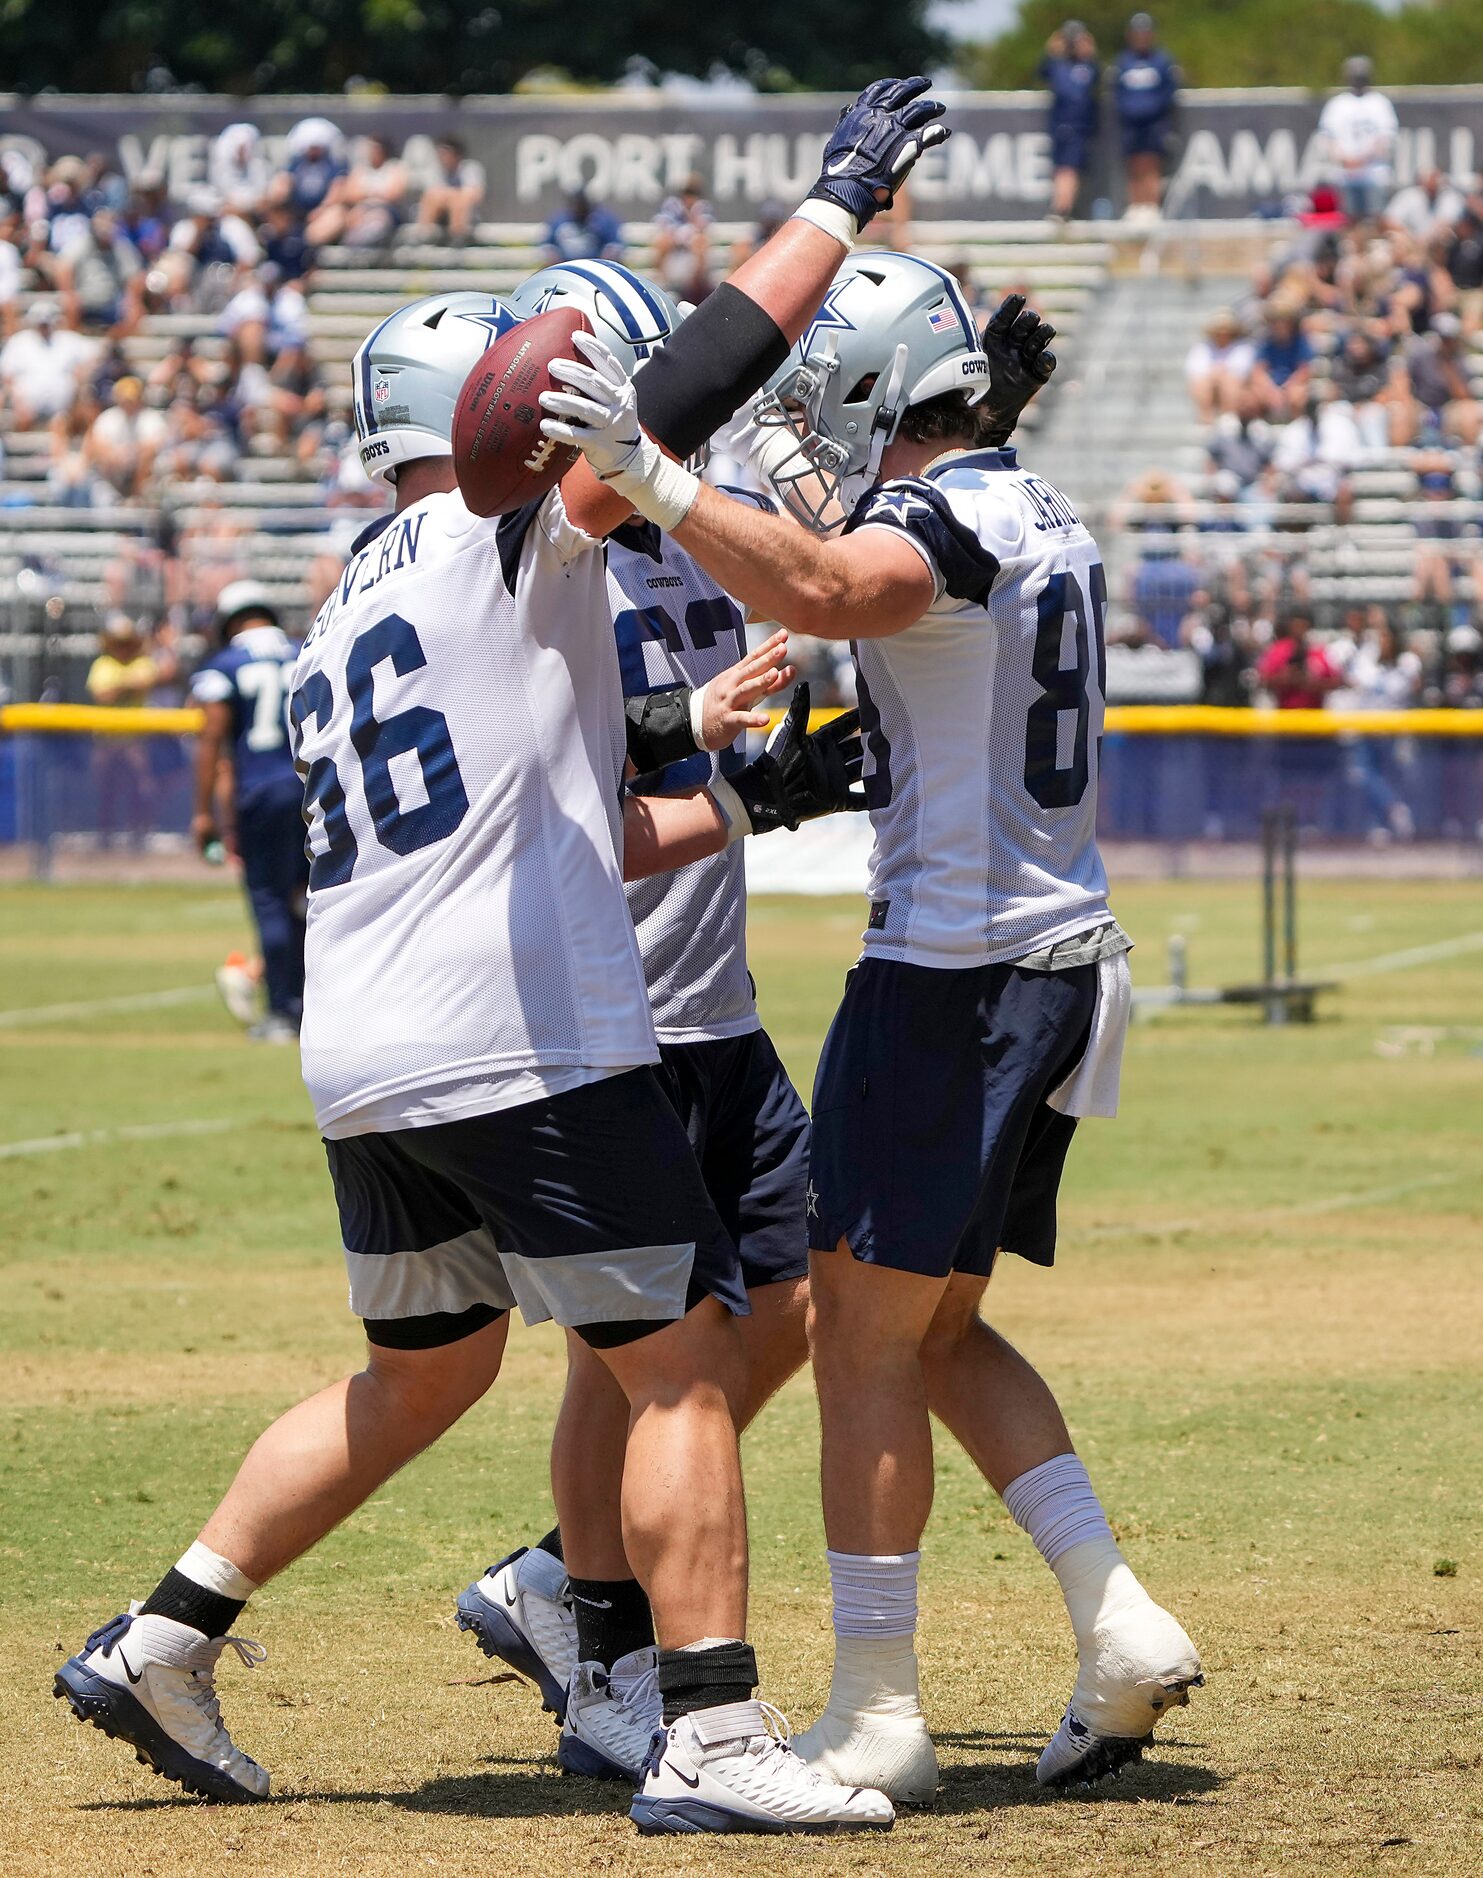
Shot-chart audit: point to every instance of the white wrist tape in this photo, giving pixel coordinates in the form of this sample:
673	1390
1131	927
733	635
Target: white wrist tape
738	822
833	217
662	491
697	715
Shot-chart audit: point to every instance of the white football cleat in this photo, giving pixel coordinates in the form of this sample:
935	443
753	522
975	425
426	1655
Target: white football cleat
612	1717
520	1612
872	1733
151	1682
1141	1665
730	1769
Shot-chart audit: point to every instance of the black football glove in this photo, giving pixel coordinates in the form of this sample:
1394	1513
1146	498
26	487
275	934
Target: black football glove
875	142
1015	340
799	776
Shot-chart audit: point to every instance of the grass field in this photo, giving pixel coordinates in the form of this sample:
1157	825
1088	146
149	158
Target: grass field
1266	1328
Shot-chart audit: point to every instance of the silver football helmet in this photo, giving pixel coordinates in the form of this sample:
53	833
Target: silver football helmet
893	331
409	373
631	314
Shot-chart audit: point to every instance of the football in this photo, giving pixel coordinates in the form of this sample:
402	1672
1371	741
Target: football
501	458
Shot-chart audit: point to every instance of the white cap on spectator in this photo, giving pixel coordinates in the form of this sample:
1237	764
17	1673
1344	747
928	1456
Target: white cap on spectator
1464	639
42	313
311	133
1448	325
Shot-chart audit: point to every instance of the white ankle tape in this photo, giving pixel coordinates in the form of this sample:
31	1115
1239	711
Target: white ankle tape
1056	1505
875	1593
214	1573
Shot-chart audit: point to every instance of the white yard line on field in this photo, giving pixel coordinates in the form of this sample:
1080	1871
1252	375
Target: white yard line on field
1403	961
86	1007
105	1137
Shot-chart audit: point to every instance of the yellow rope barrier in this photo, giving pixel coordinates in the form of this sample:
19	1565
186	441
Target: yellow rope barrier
1133	720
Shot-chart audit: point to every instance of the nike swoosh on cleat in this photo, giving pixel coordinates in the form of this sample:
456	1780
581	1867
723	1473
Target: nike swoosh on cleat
685	1777
129	1672
505	1594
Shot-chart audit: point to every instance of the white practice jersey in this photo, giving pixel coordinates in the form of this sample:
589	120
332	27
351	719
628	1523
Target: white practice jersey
983	721
675	626
459	722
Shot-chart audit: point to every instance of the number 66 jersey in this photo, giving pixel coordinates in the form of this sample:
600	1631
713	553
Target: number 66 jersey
459	724
982	721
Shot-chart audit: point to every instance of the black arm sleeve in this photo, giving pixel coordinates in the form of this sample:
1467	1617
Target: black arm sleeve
658	727
726	350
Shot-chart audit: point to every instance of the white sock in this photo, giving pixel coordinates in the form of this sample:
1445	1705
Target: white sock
1057	1506
875	1593
875	1624
214	1573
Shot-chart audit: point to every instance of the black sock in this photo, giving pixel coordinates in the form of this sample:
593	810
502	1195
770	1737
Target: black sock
189	1603
551	1543
709	1678
613	1617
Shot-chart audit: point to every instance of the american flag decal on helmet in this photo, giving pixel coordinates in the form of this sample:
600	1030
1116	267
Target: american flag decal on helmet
942	319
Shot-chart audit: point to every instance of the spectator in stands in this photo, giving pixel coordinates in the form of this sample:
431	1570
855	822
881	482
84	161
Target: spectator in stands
1295	671
40	367
455	197
124	439
11	268
364	207
238	169
682	241
1283	368
1463	259
1315	451
206	248
65	215
123	674
146	220
314	161
198	444
1219	365
1359	129
1435	520
1435	398
1072	76
96	278
71	482
1377	673
1363	383
1462	670
1145	84
583	231
1242	443
283	243
244	319
1425	208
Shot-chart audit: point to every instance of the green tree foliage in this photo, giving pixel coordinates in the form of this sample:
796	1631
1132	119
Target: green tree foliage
454	45
1259	42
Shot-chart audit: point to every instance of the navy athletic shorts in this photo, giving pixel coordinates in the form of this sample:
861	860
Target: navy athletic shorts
1070	147
587	1207
1146	137
933	1144
749	1129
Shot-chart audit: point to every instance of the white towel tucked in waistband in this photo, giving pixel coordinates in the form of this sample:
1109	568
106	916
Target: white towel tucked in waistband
1092	1087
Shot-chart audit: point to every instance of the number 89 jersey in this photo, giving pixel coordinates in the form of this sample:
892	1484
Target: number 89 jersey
675	626
983	721
460	727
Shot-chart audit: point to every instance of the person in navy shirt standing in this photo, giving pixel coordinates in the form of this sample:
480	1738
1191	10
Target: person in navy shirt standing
243	757
1071	75
1145	83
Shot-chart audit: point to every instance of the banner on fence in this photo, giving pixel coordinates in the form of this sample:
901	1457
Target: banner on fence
1237	150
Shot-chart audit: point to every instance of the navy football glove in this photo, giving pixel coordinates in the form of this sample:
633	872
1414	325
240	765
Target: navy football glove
1015	341
799	776
874	144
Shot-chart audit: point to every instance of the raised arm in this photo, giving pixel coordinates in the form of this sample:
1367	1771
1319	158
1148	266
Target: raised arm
731	345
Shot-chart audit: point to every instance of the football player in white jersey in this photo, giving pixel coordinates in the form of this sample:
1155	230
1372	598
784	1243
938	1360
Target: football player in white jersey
567	1610
478	1044
989	1006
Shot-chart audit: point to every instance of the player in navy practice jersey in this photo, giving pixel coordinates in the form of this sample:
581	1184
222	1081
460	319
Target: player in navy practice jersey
243	691
989	1007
